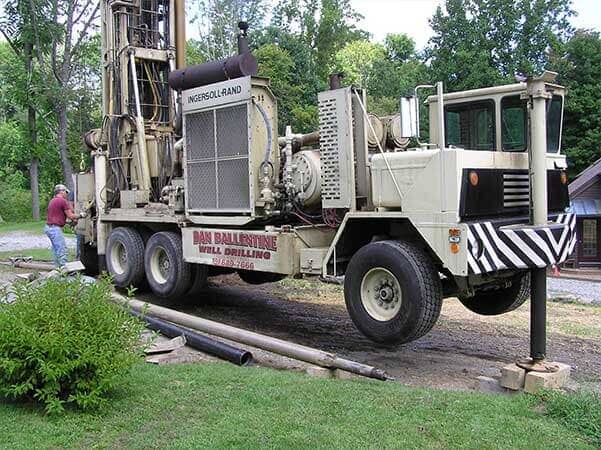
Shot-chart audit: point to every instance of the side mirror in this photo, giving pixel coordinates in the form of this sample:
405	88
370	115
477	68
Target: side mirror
409	118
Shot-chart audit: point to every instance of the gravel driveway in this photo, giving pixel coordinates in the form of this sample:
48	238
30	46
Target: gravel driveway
18	240
584	291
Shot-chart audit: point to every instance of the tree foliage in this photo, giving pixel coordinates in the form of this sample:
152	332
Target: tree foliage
579	69
480	43
217	24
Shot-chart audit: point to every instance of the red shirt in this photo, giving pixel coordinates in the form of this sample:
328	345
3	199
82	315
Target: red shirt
57	209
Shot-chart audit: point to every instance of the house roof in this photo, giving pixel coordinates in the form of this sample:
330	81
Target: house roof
586	207
587	177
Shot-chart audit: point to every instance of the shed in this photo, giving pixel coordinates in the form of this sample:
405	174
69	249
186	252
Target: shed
585	195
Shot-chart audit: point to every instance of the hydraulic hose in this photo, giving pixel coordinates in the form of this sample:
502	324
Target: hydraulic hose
198	341
268	127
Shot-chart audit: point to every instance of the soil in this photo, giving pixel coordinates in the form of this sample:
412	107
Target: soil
462	345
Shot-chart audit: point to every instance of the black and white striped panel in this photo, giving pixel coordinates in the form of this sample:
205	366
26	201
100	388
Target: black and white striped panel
491	249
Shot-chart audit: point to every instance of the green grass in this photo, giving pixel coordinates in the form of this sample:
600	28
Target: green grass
28	227
223	406
580	411
38	254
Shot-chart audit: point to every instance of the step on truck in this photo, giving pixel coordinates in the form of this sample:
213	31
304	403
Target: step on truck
190	179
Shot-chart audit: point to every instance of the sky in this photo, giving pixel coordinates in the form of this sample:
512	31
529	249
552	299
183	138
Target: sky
411	17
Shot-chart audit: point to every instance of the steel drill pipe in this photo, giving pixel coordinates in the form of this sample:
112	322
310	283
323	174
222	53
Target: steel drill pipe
33	265
285	348
197	341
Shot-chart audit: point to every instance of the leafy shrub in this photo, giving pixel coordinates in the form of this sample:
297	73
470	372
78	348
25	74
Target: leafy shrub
15	200
64	342
580	411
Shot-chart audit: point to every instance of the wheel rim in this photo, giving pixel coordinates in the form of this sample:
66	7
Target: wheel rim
118	258
381	294
160	265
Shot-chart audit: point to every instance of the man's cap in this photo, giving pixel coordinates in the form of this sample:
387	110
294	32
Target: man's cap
61	187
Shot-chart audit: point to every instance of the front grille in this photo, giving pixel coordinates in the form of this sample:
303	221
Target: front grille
506	192
515	190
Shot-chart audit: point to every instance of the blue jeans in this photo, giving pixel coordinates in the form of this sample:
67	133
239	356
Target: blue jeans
59	247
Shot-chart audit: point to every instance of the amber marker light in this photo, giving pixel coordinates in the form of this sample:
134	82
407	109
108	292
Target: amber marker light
564	178
474	178
454	248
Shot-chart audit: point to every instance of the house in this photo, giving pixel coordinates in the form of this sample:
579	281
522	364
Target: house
585	195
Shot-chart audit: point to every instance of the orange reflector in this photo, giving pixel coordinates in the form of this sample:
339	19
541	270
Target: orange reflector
564	178
474	178
454	248
454	232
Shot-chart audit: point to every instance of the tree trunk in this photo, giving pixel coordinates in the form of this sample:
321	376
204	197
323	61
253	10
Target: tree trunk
33	140
35	190
61	112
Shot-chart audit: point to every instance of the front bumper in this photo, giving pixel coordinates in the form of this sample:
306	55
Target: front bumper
494	246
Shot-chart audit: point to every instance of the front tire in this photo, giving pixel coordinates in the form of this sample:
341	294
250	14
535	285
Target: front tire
125	257
499	301
167	274
392	292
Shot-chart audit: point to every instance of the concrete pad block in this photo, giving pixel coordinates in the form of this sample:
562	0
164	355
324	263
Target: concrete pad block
74	266
547	380
319	372
513	377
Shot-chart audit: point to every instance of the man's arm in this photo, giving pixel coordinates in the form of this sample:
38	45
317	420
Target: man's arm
69	211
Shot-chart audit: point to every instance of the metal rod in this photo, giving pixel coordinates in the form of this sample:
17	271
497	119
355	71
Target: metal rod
197	341
268	343
441	144
371	127
537	161
180	34
538	314
141	154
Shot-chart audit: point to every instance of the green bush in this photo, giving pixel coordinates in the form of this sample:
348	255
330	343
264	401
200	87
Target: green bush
63	342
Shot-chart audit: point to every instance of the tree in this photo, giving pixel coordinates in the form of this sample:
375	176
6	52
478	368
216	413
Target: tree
19	32
357	59
579	69
479	43
217	22
71	22
399	72
325	26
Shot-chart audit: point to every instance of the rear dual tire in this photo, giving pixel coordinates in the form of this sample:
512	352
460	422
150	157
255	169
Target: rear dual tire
168	275
125	257
499	301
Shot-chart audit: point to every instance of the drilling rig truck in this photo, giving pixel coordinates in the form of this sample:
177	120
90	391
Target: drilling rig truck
190	179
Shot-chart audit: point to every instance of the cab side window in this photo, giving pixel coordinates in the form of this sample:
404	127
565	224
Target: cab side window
513	124
470	125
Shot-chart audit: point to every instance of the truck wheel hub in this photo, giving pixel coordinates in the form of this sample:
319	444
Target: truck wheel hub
160	265
381	294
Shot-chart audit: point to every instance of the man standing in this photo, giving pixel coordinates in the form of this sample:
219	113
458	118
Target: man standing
59	210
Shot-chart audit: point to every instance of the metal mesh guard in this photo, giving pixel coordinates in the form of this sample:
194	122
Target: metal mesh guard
217	160
328	130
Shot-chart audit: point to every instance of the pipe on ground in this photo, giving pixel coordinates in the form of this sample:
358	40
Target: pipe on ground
274	345
197	341
33	265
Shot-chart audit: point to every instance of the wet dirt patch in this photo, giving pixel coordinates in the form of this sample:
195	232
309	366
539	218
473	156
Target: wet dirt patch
460	347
